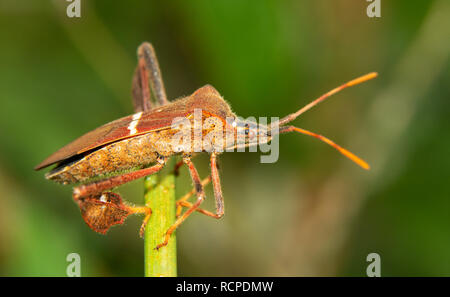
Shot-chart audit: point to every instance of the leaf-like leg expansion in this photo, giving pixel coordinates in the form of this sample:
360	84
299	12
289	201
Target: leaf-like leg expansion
101	210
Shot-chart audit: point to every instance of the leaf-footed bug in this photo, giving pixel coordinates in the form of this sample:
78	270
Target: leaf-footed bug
138	145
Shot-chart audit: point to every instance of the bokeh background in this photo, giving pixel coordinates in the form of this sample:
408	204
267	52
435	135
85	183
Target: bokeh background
311	213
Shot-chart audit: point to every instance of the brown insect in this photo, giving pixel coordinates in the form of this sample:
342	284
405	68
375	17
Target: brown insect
140	144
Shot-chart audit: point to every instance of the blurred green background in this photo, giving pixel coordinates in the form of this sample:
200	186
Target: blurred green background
311	213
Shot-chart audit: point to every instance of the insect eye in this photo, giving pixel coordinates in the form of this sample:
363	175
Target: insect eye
246	129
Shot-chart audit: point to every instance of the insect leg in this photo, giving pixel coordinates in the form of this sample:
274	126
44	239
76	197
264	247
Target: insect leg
144	210
106	184
176	169
104	210
217	187
200	197
140	90
147	80
101	210
217	193
182	202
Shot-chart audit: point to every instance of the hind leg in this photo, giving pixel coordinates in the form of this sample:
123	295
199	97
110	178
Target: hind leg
101	209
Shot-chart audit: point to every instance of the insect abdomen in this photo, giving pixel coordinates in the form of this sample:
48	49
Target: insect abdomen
124	155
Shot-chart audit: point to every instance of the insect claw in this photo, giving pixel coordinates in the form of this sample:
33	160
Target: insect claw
165	242
144	224
160	245
141	231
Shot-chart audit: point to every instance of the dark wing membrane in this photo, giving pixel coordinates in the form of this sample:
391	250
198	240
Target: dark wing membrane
112	132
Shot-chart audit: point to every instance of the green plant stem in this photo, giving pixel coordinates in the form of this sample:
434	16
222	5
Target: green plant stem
160	197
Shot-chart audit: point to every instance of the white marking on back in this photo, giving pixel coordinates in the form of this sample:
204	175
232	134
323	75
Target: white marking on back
134	122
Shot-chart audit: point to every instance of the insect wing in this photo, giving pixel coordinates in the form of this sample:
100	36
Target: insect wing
130	126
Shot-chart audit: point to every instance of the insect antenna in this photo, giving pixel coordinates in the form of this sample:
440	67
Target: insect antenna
347	153
307	107
293	116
